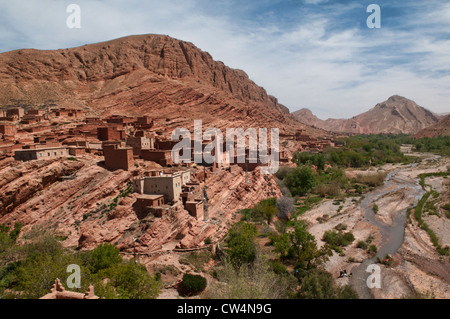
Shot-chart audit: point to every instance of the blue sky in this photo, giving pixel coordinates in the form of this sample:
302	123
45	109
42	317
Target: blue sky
318	54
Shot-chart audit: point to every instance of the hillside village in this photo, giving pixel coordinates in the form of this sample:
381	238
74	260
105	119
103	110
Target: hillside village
138	145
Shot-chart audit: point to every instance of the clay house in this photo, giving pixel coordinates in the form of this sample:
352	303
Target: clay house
7	148
110	133
162	157
144	123
167	185
38	129
140	143
195	208
163	144
59	292
117	157
144	120
77	151
35	112
63	112
16	113
8	129
40	153
94	120
122	120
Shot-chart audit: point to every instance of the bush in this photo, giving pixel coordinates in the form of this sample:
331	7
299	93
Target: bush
376	179
362	245
193	284
375	208
278	268
103	256
373	249
319	284
241	246
334	238
300	180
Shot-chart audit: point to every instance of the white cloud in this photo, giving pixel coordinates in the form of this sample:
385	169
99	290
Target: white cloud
312	62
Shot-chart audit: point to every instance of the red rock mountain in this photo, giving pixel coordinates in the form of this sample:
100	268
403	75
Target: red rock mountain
145	74
441	128
395	115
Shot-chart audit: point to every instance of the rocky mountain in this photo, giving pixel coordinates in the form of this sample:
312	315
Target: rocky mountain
395	115
154	75
441	128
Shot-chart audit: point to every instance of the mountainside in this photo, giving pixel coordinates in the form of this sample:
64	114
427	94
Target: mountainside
395	115
441	128
145	74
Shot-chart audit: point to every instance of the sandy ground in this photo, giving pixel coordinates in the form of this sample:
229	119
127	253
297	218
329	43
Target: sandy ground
417	266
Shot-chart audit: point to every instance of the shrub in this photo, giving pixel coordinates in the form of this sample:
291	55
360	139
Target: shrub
278	268
193	284
334	238
373	249
103	256
376	179
241	247
375	208
362	245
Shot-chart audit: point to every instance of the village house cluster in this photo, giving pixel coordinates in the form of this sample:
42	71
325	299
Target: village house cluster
121	143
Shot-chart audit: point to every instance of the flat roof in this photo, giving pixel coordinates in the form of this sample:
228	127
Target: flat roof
150	196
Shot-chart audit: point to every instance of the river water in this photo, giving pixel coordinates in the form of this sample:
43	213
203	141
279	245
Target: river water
392	235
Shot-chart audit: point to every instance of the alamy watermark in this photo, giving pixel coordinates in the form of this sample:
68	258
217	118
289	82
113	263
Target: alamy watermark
374	280
232	149
74	280
74	19
374	20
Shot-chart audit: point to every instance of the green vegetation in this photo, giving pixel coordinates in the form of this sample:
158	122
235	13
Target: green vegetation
319	284
123	193
192	284
30	270
300	180
433	237
375	208
337	239
196	260
240	242
437	145
368	150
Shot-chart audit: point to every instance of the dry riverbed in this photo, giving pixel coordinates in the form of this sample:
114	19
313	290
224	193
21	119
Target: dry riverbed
417	266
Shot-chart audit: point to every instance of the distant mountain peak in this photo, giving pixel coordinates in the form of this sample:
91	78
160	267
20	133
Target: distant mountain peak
395	115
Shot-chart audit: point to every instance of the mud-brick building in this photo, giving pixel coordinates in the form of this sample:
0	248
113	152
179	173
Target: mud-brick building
167	185
162	157
110	133
8	129
118	157
40	153
195	208
17	113
140	143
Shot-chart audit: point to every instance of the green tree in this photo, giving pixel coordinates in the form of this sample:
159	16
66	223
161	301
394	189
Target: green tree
319	284
102	257
129	281
241	245
300	180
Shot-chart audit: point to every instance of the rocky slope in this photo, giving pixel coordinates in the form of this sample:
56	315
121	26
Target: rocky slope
395	115
81	209
441	128
146	74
